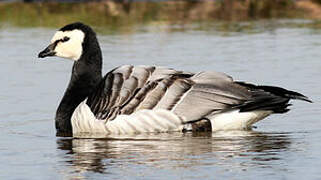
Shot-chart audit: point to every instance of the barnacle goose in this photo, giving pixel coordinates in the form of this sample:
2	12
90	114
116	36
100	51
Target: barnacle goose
135	99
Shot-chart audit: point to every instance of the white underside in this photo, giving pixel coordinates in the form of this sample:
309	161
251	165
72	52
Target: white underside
145	121
235	120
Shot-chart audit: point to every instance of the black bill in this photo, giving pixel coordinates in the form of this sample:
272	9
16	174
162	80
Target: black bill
49	51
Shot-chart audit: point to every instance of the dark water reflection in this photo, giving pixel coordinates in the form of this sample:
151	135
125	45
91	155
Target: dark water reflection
188	151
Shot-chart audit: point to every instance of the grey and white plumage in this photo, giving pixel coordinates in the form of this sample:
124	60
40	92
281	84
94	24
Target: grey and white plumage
133	99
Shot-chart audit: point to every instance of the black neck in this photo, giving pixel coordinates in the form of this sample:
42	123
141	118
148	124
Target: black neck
86	74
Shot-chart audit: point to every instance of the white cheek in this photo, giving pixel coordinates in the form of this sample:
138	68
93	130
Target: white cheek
69	50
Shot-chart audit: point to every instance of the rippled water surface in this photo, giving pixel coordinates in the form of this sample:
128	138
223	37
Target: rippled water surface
283	146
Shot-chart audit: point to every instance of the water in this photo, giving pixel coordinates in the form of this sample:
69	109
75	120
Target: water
283	146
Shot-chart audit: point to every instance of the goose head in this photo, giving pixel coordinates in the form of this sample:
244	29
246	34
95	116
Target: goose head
70	42
77	42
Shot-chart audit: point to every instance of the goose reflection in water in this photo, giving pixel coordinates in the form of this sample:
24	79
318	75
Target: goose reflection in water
241	149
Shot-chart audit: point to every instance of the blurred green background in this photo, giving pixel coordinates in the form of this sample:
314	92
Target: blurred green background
124	15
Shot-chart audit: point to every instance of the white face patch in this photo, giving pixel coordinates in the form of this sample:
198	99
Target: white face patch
69	44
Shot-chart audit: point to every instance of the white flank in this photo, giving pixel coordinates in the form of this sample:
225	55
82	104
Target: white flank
71	49
235	120
160	120
84	121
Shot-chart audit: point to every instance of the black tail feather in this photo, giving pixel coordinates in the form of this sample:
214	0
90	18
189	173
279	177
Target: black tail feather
269	98
284	93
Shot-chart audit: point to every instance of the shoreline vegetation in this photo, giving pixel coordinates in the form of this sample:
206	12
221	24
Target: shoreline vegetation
125	15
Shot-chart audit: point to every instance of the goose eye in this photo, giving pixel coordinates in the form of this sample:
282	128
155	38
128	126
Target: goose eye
65	39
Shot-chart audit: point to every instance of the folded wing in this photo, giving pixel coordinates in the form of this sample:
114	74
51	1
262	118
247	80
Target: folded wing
128	89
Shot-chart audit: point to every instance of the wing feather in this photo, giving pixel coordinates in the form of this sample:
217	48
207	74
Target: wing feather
137	98
153	97
175	91
128	89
